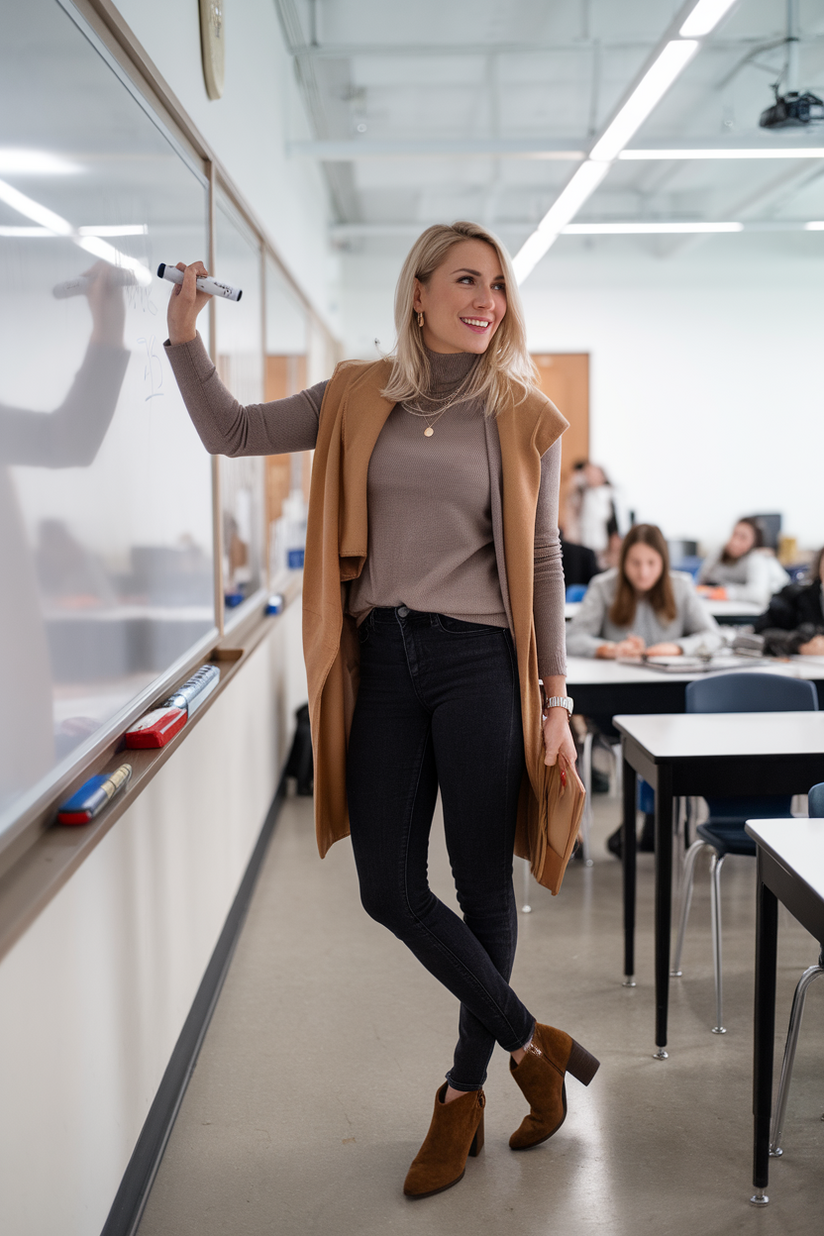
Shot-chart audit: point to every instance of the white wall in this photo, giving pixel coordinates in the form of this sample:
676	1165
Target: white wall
248	127
96	992
707	395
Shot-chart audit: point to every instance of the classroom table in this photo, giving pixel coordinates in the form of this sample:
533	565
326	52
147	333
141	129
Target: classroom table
728	613
718	754
604	688
790	869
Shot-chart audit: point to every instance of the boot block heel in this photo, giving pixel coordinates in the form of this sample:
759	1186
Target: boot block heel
478	1140
582	1064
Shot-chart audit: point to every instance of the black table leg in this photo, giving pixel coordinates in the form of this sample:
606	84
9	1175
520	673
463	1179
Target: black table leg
628	852
663	903
766	950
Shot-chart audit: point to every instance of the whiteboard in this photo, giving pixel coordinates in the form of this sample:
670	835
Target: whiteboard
106	555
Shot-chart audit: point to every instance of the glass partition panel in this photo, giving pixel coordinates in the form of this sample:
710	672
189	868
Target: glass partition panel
105	491
239	332
287	476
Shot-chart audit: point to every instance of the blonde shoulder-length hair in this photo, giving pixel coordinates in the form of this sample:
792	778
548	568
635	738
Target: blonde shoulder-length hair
505	371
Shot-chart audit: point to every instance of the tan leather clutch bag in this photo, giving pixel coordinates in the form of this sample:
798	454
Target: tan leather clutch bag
558	824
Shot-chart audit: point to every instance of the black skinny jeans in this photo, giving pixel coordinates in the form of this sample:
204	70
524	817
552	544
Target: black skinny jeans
439	706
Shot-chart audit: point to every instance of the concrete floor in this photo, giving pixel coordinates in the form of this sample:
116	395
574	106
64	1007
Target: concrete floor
315	1085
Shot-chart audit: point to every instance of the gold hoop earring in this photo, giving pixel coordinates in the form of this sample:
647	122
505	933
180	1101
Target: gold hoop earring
420	321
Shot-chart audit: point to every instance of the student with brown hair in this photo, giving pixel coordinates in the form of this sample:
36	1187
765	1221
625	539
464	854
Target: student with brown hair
744	570
641	606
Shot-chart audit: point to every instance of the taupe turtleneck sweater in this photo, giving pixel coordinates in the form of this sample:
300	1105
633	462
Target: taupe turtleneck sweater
431	508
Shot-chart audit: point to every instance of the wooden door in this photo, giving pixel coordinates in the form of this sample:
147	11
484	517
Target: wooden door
564	378
285	375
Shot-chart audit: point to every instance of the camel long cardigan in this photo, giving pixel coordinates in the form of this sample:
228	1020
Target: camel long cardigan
352	415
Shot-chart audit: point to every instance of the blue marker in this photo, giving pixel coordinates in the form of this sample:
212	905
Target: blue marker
93	796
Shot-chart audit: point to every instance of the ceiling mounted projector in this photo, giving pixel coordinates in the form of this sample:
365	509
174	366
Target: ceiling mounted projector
792	110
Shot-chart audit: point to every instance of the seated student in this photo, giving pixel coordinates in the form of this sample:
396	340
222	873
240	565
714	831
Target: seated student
579	562
743	570
794	621
641	606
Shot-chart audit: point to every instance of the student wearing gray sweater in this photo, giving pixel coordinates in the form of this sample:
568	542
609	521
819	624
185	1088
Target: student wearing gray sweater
642	606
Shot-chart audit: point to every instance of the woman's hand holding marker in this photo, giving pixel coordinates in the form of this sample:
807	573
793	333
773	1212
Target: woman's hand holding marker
185	303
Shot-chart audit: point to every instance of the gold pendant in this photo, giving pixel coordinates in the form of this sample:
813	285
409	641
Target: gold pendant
428	432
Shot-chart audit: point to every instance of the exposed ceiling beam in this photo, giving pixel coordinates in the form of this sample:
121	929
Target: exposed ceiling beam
774	194
382	51
342	232
349	150
521	148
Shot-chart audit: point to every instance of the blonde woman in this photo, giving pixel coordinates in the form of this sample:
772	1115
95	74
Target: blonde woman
434	500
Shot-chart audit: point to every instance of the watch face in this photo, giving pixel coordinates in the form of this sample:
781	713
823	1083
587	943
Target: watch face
212	45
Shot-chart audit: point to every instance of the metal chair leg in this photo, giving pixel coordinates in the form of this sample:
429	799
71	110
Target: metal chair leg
618	762
686	901
787	1063
586	777
716	863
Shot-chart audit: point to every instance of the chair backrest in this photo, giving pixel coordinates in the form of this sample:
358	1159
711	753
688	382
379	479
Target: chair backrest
747	691
815	801
771	528
575	592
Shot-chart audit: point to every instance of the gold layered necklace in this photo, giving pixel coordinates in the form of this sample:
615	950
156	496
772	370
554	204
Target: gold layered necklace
433	415
431	421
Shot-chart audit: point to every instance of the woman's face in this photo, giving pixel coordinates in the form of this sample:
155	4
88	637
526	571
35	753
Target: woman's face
741	541
643	566
464	301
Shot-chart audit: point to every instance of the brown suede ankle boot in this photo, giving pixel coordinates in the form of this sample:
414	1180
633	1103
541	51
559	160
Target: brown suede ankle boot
540	1075
457	1130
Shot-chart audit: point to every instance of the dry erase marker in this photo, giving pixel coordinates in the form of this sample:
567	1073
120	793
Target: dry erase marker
195	690
92	797
205	283
117	277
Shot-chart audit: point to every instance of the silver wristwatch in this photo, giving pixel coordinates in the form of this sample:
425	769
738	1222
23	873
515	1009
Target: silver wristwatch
559	701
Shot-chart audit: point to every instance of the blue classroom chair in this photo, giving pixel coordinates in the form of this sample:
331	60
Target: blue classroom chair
723	833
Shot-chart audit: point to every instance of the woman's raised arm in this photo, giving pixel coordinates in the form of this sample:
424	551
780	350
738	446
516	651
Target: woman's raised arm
225	426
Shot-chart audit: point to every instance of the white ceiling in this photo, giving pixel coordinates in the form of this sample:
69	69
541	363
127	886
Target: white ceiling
441	110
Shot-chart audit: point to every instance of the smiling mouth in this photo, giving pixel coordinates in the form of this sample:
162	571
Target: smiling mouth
476	323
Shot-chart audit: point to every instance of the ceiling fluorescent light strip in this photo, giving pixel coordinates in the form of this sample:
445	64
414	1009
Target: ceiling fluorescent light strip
672	60
585	180
816	226
675	56
704	17
647	229
530	253
782	152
